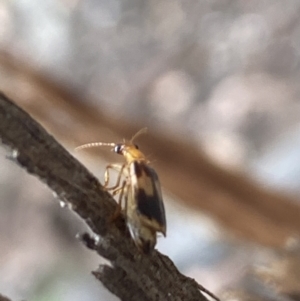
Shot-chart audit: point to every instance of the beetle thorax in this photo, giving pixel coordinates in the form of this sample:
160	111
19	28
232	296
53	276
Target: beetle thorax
132	154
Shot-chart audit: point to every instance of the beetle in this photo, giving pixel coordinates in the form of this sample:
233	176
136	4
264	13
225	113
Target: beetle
138	185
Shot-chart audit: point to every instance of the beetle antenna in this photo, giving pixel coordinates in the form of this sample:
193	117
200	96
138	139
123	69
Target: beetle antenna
94	144
140	132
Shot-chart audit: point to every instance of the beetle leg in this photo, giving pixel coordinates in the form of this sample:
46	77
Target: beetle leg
119	204
116	167
206	291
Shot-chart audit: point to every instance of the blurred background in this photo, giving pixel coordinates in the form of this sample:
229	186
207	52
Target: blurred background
217	84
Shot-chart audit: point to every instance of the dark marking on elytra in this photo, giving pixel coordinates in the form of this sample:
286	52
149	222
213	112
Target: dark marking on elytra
142	167
150	206
138	168
150	172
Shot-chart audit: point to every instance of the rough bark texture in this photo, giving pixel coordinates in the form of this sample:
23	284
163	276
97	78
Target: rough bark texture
131	276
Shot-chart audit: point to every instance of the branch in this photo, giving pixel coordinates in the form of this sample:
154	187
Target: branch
131	275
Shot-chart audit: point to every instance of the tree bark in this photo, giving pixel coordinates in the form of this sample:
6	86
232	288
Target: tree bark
131	275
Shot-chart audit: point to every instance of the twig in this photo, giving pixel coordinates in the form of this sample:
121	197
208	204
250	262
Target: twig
132	275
